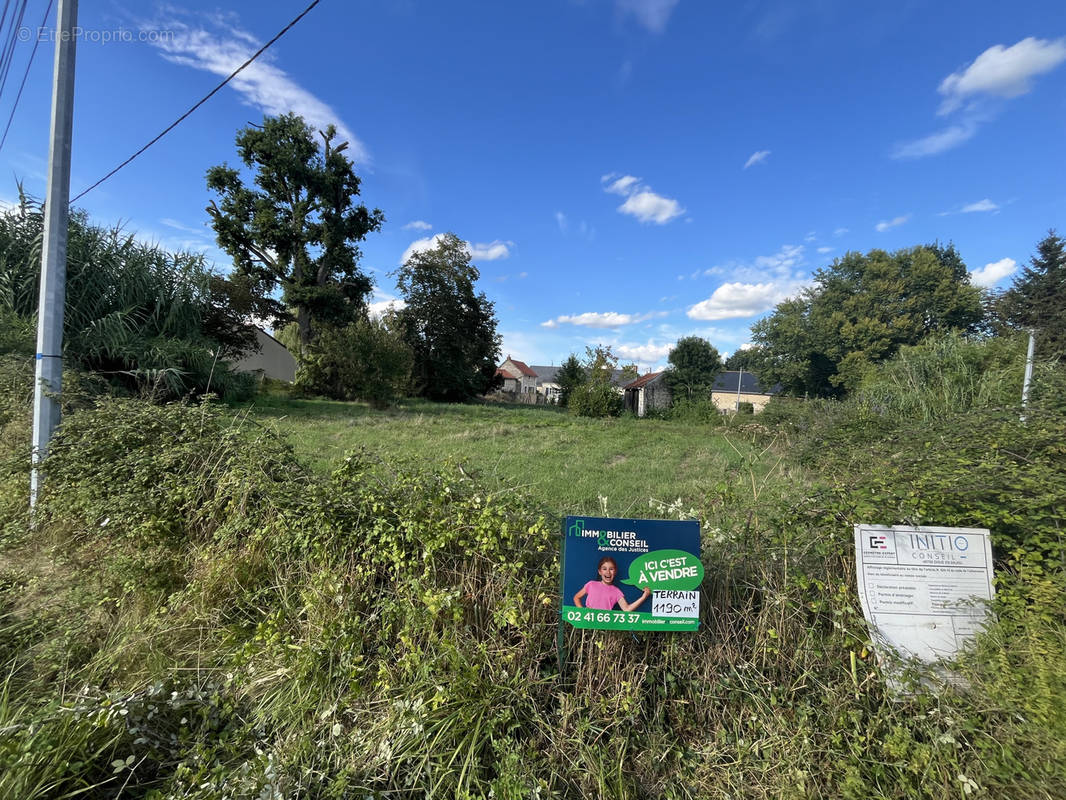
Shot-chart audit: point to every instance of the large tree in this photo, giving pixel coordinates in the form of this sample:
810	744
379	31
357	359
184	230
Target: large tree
1037	297
860	311
450	327
694	363
749	359
297	227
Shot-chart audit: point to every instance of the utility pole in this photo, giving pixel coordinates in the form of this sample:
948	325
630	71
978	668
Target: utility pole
49	372
740	380
1028	372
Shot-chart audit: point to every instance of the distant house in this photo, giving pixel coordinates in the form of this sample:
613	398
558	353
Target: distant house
272	361
647	393
737	386
517	377
547	385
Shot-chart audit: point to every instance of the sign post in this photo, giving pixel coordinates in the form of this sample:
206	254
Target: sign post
631	574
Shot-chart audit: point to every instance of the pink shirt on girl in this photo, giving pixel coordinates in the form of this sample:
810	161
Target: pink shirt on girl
601	595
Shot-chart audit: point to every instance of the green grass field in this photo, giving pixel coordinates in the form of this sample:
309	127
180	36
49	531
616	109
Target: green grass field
565	463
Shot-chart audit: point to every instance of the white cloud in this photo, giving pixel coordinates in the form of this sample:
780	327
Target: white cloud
889	224
937	142
840	232
999	71
786	266
619	185
381	302
735	300
560	220
783	261
641	202
490	251
417	225
1002	71
649	353
652	14
261	84
824	250
980	205
647	206
991	274
605	319
758	157
419	245
180	226
479	252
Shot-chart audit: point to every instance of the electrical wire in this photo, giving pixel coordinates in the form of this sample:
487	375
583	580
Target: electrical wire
9	51
206	97
26	74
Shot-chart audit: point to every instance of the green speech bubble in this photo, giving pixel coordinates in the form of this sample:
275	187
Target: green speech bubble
666	569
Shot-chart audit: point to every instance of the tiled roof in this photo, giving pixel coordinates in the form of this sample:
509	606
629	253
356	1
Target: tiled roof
506	374
523	368
643	380
545	374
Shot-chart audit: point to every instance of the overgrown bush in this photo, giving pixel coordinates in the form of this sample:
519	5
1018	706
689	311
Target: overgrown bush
362	361
595	399
695	410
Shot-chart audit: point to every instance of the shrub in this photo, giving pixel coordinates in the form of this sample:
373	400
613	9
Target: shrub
595	399
362	361
695	410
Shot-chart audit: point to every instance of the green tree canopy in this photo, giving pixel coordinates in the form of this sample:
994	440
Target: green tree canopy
597	396
694	363
569	376
1037	297
749	359
298	229
860	311
450	327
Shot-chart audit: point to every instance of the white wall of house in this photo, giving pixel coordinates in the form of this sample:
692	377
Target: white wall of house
272	360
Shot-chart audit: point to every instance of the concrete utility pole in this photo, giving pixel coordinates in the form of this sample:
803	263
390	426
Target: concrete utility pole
740	380
1028	372
49	373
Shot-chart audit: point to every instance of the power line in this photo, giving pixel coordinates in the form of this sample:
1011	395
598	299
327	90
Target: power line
203	100
9	51
26	74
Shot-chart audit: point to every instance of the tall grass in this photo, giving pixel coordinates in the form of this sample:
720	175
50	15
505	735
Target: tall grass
134	312
212	618
945	374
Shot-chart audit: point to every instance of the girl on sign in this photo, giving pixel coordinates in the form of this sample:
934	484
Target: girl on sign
603	594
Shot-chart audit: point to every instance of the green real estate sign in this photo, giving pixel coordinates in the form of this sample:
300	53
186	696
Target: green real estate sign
631	574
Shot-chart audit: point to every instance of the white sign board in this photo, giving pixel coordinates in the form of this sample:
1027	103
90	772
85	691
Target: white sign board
924	590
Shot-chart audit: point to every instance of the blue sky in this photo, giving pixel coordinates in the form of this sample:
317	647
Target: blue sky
626	172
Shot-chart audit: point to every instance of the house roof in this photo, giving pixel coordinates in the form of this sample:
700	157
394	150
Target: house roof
522	367
748	383
644	380
545	374
506	374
